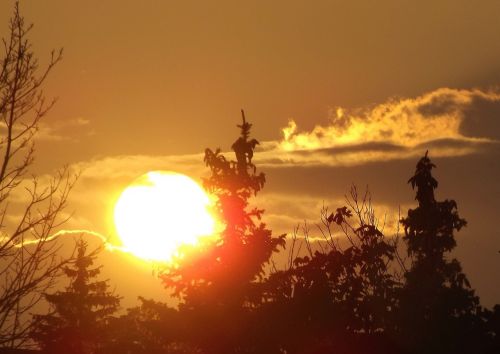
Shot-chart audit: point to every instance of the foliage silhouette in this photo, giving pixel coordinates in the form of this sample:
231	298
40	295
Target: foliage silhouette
348	291
79	315
339	297
151	328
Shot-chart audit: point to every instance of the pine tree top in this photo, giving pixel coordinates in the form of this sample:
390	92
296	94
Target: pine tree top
429	228
244	148
245	127
423	181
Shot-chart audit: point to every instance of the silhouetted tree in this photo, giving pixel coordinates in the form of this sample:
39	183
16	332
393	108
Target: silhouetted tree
340	296
219	284
79	315
348	291
439	311
30	209
493	329
151	328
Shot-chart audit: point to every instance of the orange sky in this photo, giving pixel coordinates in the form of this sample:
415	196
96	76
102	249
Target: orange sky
147	85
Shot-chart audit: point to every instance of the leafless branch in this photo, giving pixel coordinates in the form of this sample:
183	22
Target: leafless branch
30	208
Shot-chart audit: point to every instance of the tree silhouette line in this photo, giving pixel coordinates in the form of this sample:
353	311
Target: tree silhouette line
352	293
356	290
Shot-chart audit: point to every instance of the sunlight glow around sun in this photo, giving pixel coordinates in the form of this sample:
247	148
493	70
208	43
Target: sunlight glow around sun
159	212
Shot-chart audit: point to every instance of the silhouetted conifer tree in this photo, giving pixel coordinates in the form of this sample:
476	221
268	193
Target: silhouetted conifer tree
439	311
218	284
77	321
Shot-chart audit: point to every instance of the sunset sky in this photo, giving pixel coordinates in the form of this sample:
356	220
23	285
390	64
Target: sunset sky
339	92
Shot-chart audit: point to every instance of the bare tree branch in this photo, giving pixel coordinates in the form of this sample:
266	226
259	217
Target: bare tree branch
29	261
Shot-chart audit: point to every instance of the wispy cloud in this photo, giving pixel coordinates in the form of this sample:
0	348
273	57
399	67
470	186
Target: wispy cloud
396	129
405	122
64	130
132	166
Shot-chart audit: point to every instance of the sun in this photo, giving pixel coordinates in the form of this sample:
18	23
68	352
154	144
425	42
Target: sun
159	212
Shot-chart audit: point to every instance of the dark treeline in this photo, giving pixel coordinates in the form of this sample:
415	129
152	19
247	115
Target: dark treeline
357	291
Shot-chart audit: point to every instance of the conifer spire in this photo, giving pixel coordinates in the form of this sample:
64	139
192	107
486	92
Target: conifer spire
423	181
77	321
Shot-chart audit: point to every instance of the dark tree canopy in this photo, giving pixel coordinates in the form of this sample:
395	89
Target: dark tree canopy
348	291
79	315
340	296
352	292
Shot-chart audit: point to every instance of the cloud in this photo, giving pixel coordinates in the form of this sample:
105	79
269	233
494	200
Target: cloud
65	130
106	241
446	120
404	122
395	130
330	157
132	166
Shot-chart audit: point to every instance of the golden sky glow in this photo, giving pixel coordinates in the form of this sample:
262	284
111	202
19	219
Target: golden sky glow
159	212
148	85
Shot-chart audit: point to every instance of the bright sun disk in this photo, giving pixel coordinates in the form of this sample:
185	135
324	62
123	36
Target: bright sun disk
159	212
